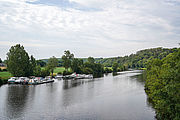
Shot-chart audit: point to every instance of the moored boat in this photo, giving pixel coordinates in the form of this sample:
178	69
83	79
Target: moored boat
12	80
48	79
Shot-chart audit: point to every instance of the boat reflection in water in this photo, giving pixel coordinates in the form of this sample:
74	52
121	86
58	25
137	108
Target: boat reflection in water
110	97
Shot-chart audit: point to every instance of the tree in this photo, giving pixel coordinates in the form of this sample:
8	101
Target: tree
33	65
91	60
18	63
41	63
67	59
77	65
115	67
0	60
162	86
52	63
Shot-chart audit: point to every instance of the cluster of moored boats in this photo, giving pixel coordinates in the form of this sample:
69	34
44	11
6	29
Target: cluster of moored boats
30	81
77	76
40	80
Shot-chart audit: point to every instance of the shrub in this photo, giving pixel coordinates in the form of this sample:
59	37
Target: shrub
66	72
59	73
4	70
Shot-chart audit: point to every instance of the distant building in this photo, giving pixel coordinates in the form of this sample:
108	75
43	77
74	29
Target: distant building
3	66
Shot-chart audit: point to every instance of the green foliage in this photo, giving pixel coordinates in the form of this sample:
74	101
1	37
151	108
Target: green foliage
0	60
37	71
162	86
3	81
52	64
107	70
18	62
66	72
115	67
67	59
44	72
77	65
5	70
138	60
41	63
91	60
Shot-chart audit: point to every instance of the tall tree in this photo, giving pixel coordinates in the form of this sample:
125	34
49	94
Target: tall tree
52	64
18	63
33	65
77	65
41	63
67	59
115	67
91	60
0	60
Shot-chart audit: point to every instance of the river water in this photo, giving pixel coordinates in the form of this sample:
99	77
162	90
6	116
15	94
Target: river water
120	97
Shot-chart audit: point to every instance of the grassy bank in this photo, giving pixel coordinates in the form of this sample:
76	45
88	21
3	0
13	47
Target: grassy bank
58	69
4	76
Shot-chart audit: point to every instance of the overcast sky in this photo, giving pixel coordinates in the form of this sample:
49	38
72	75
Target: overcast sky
98	28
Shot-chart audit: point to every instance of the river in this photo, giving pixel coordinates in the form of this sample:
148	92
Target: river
120	97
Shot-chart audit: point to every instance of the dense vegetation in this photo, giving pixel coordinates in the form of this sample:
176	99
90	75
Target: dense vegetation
163	86
20	64
138	60
80	67
18	61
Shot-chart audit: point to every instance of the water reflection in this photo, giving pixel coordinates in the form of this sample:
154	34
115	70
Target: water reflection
109	97
16	100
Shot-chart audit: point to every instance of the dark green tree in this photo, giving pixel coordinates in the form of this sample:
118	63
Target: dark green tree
33	65
18	63
67	59
41	63
52	64
77	65
91	60
115	67
0	60
162	86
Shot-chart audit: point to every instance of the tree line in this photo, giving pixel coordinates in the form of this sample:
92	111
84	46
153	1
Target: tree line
19	63
163	86
134	61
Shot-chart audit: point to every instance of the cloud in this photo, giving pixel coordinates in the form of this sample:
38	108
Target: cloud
118	25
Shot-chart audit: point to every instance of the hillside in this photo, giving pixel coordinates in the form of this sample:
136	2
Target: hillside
137	60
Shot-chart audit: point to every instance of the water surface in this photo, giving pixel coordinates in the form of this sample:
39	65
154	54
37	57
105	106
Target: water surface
121	97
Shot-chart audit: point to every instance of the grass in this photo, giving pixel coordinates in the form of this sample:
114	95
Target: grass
58	69
5	75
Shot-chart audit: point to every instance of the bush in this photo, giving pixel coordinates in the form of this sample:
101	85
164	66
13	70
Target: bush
45	73
59	73
3	81
66	72
4	70
107	70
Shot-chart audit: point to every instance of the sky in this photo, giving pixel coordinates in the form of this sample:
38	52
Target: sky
97	28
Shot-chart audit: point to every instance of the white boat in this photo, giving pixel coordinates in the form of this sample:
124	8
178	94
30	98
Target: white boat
88	77
58	76
48	79
12	80
23	80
